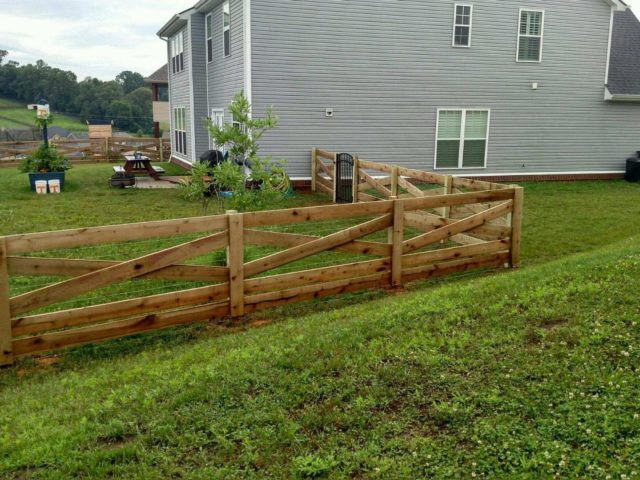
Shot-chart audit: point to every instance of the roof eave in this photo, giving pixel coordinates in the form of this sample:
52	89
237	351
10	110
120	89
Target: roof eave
621	97
617	4
177	23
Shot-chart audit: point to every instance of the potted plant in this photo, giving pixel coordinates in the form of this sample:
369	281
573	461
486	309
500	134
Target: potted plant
45	164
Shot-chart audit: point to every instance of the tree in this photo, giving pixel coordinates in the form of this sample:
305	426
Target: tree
94	98
241	139
242	142
3	54
129	81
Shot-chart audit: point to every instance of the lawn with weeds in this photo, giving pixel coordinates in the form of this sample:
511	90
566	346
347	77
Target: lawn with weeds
530	374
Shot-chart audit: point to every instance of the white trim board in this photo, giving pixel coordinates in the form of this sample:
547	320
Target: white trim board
191	96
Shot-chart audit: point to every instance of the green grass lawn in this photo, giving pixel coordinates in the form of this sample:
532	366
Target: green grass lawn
15	115
531	374
528	374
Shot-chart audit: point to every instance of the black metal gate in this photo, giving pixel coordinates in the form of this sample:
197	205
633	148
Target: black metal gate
344	178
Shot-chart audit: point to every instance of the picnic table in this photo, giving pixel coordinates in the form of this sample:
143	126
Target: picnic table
139	164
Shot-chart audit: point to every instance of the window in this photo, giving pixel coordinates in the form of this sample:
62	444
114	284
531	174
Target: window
462	25
209	26
226	29
177	53
217	118
530	32
180	130
462	138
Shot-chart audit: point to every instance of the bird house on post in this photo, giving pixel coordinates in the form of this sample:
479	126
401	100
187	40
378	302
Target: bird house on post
43	113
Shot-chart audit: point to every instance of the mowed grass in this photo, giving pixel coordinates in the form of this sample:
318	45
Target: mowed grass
526	374
531	374
560	218
15	115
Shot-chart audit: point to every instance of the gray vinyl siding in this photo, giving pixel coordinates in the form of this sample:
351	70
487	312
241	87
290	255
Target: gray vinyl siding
180	93
199	79
225	76
386	67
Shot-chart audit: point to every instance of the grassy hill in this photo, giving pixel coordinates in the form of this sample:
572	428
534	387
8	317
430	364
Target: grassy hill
526	374
532	372
16	115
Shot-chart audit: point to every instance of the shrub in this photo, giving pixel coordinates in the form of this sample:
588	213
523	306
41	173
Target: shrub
45	160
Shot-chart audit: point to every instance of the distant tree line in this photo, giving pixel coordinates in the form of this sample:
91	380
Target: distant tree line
125	100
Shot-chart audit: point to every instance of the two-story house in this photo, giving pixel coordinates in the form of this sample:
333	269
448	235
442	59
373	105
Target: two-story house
477	88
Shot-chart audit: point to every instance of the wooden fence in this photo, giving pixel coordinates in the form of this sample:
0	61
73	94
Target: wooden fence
89	150
374	182
386	242
404	225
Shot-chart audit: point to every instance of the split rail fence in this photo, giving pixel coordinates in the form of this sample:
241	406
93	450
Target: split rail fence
269	258
93	150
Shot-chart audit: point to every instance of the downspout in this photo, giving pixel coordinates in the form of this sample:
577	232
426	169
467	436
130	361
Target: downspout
248	81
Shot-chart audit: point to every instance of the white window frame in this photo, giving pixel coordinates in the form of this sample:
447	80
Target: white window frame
456	24
462	137
216	113
177	53
520	35
226	7
208	24
179	119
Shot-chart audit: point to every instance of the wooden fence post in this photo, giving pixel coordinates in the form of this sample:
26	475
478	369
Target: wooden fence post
107	157
235	262
397	238
394	181
356	178
6	348
448	189
160	152
516	226
314	167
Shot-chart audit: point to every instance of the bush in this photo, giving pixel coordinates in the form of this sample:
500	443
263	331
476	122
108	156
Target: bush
45	160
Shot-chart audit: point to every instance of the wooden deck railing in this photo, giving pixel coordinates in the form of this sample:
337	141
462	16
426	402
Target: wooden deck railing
89	150
364	245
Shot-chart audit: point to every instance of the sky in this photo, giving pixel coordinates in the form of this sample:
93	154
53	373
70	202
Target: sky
89	37
93	37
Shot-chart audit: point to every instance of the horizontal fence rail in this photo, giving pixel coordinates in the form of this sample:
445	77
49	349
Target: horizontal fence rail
72	287
93	150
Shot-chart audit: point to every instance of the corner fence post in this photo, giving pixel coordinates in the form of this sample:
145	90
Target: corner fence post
235	262
397	238
355	178
6	339
314	167
516	225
